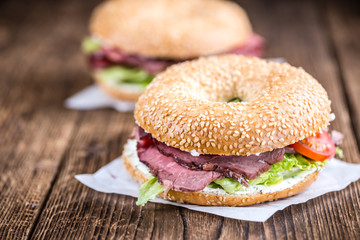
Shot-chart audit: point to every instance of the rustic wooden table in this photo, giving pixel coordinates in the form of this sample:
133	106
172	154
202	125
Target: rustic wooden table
43	145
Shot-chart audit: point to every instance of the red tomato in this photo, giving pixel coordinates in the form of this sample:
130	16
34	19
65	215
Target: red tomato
319	147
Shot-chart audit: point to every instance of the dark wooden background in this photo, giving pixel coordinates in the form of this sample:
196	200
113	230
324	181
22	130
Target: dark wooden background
43	145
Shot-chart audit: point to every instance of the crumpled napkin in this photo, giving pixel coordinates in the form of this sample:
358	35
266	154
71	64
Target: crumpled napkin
93	97
336	175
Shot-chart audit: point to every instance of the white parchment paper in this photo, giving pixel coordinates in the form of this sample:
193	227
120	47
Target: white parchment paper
336	175
93	97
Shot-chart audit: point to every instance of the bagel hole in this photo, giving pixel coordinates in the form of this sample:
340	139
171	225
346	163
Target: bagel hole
236	100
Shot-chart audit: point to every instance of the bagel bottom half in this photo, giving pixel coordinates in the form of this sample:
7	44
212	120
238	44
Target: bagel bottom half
121	92
210	199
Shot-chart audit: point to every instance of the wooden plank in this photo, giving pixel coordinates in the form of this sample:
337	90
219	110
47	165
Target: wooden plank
344	22
201	225
35	129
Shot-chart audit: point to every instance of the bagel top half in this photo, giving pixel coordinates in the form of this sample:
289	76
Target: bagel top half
187	105
171	29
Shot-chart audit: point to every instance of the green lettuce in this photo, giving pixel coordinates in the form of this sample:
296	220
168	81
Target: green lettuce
339	152
148	191
230	185
90	45
125	75
236	100
292	165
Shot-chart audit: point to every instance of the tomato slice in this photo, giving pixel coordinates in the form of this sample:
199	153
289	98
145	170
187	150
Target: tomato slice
318	147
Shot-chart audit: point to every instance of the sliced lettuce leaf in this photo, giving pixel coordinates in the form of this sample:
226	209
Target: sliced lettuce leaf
230	185
236	100
214	185
90	45
339	152
125	75
292	165
148	191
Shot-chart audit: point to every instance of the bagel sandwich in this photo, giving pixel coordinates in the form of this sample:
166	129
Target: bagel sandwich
229	130
131	41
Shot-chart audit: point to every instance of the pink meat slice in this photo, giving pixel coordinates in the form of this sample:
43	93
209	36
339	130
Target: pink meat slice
169	173
234	166
110	56
181	171
254	46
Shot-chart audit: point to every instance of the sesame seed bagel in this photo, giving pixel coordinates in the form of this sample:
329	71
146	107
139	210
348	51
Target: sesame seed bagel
212	199
170	28
187	105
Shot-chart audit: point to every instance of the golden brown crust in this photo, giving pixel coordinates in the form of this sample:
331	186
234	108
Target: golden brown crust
186	106
171	28
118	92
201	198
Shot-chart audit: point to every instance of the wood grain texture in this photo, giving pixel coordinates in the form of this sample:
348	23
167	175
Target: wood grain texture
344	25
44	145
35	129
